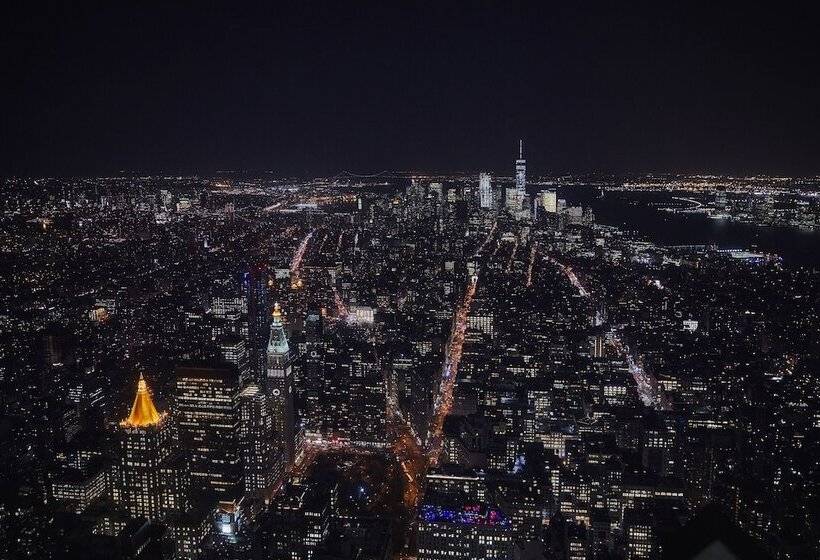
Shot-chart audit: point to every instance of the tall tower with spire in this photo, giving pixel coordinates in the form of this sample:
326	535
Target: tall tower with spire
521	177
146	447
279	386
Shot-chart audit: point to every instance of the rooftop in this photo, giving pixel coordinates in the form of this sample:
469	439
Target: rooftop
143	412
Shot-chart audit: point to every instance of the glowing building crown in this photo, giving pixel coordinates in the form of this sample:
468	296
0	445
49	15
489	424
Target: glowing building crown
143	412
278	341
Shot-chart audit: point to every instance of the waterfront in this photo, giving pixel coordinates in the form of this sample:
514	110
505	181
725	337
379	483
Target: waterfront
639	212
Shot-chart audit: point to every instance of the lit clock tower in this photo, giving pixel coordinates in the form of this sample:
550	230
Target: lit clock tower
279	387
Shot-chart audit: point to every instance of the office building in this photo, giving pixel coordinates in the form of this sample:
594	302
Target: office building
448	531
485	191
261	460
207	409
146	446
255	285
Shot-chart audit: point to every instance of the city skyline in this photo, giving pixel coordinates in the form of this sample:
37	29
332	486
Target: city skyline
486	281
405	367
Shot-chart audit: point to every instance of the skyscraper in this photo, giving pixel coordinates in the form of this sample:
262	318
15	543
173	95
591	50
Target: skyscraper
207	406
279	386
485	191
261	463
255	285
521	176
312	369
516	195
145	448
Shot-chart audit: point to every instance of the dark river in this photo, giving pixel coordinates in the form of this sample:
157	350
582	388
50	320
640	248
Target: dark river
637	211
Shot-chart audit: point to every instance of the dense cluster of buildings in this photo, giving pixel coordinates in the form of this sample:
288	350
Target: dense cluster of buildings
409	366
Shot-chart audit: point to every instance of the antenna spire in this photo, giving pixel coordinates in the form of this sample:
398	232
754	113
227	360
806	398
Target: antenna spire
520	149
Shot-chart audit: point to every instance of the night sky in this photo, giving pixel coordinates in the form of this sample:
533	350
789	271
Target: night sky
315	88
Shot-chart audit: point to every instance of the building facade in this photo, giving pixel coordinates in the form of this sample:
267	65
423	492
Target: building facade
207	409
146	447
279	387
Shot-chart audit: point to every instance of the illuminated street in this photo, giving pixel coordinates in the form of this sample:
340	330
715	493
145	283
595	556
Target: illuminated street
449	371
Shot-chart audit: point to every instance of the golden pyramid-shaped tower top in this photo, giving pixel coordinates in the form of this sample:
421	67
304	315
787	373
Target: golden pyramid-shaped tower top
143	411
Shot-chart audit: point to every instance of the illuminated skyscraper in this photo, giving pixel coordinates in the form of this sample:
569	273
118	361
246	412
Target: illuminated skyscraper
485	191
261	464
207	407
516	195
146	446
521	177
279	386
312	369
